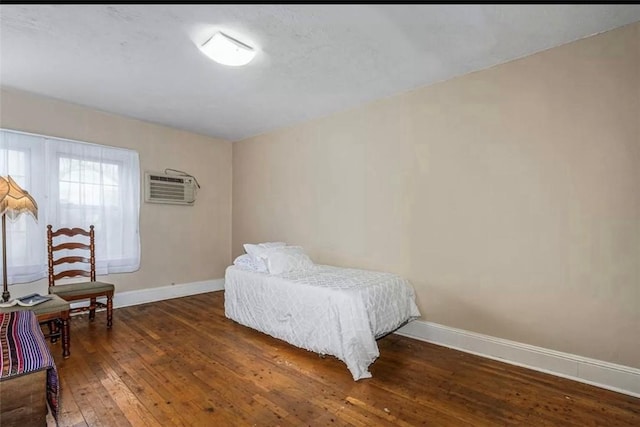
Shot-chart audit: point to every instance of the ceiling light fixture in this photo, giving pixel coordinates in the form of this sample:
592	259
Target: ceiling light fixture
227	50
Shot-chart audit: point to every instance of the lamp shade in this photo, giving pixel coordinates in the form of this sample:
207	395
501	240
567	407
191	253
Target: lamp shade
14	200
227	50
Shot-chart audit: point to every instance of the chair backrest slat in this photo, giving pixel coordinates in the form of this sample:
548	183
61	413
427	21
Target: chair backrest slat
71	245
70	260
72	273
71	232
90	247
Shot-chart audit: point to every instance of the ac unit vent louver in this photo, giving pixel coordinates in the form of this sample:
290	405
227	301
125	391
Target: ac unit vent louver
171	189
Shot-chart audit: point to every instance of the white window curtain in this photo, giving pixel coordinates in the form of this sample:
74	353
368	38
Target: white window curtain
22	157
75	184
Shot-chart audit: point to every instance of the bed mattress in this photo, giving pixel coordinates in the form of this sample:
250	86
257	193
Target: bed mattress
325	309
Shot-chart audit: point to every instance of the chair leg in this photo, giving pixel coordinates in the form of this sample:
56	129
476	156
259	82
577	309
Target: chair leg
109	311
53	330
92	309
65	337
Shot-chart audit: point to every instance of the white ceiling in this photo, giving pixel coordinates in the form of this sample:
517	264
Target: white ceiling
142	61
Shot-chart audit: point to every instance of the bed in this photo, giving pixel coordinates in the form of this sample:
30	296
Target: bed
325	309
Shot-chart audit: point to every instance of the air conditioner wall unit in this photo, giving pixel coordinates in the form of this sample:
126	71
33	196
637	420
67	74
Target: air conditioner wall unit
169	189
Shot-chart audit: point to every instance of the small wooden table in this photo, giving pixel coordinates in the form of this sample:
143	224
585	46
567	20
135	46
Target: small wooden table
54	309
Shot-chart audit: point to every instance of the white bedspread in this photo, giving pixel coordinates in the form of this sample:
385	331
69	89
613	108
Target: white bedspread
328	310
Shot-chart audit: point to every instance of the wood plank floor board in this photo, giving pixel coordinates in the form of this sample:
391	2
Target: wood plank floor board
435	395
106	384
84	393
151	398
125	360
70	411
227	397
181	362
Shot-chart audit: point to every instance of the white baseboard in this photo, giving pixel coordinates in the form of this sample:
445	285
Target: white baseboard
143	296
619	378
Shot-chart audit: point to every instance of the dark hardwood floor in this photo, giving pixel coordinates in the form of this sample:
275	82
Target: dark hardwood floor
181	362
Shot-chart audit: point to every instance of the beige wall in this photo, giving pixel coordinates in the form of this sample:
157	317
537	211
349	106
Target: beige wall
510	197
179	244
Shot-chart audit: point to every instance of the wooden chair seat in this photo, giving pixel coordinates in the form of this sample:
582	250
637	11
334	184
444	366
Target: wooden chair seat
82	290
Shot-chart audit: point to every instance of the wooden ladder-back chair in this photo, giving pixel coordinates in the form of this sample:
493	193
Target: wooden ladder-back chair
59	268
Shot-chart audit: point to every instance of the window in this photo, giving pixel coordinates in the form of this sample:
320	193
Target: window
75	185
83	182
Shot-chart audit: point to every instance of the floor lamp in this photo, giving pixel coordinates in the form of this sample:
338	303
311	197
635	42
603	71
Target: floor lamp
13	201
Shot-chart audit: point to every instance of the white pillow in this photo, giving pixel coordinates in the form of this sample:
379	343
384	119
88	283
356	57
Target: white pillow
266	252
272	244
279	262
257	250
283	263
250	263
